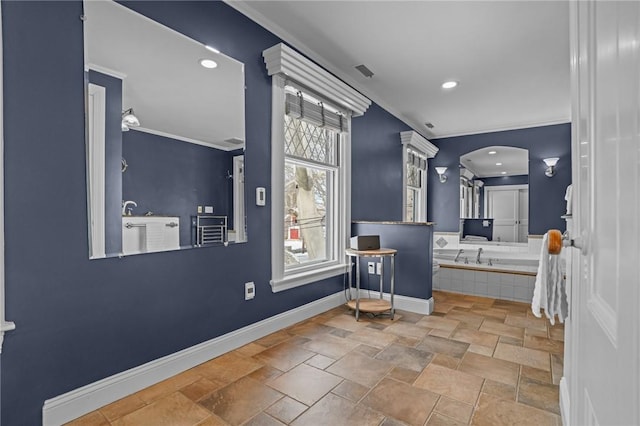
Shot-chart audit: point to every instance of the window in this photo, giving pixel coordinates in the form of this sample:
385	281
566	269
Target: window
310	169
416	151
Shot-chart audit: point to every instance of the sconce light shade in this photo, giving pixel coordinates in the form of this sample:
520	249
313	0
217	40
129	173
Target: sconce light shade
551	166
129	119
441	175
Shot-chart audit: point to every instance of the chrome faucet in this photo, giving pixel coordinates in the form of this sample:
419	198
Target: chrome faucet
478	257
126	211
458	255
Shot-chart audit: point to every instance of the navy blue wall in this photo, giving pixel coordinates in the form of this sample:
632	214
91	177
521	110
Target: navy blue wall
546	195
172	178
78	320
476	227
376	174
112	159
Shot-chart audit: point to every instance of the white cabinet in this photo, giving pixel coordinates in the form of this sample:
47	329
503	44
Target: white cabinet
147	234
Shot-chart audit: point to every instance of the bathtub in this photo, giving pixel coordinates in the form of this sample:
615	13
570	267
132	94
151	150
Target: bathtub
500	274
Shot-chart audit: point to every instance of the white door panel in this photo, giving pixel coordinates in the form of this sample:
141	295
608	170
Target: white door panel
602	367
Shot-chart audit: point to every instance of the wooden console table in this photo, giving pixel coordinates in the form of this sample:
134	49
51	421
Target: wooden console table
369	304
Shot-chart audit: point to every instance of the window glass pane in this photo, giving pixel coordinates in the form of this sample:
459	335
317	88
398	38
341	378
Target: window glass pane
410	211
306	141
307	195
414	177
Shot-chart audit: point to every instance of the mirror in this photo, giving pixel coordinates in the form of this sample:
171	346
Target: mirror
165	137
494	195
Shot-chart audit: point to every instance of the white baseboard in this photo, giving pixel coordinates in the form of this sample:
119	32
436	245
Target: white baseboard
81	401
564	401
411	304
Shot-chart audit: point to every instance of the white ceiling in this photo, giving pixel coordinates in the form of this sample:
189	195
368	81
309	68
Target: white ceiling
510	57
513	161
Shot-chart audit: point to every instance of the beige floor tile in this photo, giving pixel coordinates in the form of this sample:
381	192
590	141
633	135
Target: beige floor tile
264	374
407	330
320	361
286	410
309	329
409	404
538	394
480	350
535	374
333	410
438	419
493	411
456	410
557	368
373	337
94	418
273	338
442	307
439	323
360	369
451	383
169	386
212	420
228	368
527	322
493	313
411	358
446	361
556	333
122	407
172	410
305	383
440	333
250	349
408	341
350	390
490	368
502	329
367	350
511	341
241	400
475	337
201	388
525	356
544	344
404	374
464	317
346	322
284	356
535	332
263	419
499	390
331	346
443	346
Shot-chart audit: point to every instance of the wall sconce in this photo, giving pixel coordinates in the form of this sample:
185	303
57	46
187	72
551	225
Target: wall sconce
441	175
129	119
551	166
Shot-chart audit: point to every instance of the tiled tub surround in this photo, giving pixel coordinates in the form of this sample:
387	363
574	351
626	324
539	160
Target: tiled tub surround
475	361
499	285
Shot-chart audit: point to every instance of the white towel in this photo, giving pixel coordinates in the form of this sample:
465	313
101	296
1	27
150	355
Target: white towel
550	290
154	237
568	196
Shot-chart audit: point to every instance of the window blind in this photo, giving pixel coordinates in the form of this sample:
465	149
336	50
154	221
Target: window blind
308	109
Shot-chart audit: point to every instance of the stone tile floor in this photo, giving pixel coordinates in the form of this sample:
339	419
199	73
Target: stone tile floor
475	360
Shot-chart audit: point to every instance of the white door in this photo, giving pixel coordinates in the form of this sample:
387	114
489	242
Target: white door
602	360
503	205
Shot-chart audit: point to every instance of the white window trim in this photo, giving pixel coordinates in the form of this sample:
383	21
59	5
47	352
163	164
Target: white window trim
4	325
283	64
411	139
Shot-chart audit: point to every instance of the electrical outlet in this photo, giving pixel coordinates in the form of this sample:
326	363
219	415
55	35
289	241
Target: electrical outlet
199	209
378	268
371	266
249	290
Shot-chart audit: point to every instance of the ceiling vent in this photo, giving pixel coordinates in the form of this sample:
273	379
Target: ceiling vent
365	71
429	125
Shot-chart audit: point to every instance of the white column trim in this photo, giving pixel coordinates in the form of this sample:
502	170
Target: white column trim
283	60
4	325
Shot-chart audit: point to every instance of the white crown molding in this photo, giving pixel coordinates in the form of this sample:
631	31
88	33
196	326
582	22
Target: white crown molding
414	139
507	127
281	59
467	173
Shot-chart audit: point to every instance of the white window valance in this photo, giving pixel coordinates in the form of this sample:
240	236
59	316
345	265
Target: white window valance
281	59
412	138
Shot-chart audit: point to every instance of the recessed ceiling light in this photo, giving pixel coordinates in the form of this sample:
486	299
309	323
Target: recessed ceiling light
498	164
213	49
449	84
208	63
503	173
493	152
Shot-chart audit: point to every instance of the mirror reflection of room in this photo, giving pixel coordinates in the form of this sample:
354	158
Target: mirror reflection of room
165	145
494	195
